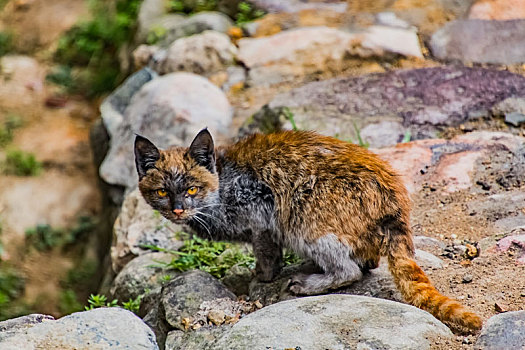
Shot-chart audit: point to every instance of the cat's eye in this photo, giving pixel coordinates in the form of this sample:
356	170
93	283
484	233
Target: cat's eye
192	191
162	192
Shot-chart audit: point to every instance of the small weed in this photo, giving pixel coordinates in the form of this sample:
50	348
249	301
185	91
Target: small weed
288	115
360	140
63	77
100	300
20	163
247	13
194	6
45	237
6	43
407	137
8	127
11	287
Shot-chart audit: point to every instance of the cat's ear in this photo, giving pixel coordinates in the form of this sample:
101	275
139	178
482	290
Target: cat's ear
202	150
146	154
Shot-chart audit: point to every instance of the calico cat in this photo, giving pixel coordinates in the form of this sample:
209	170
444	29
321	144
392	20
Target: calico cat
330	201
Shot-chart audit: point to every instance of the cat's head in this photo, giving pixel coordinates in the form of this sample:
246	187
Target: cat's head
179	182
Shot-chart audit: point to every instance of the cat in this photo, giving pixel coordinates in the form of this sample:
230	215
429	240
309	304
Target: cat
330	201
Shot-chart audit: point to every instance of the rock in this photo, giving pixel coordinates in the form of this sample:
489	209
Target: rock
238	279
427	100
143	54
149	11
424	242
338	322
513	241
303	51
202	338
182	297
479	41
497	10
513	109
391	20
168	110
9	328
275	6
203	54
503	331
102	328
141	275
137	226
195	24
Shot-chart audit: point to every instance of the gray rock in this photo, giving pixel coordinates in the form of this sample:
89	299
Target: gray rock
424	242
141	275
137	226
195	24
168	110
238	279
503	331
204	54
202	338
183	296
102	328
9	328
276	6
423	101
481	41
338	322
513	109
302	51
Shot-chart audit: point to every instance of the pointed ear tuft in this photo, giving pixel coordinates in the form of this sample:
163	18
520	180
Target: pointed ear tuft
202	150
146	154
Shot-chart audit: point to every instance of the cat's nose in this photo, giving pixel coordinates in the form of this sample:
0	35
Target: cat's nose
178	211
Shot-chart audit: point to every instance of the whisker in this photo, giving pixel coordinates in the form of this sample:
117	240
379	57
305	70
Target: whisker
203	224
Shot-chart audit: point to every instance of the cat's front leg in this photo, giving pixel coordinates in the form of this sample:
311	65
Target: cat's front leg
268	254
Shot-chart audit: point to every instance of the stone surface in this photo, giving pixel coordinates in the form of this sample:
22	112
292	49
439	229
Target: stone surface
497	10
305	50
10	327
141	275
195	24
338	322
149	11
274	6
503	331
169	110
423	101
238	279
203	54
517	241
479	41
199	339
102	328
136	226
182	297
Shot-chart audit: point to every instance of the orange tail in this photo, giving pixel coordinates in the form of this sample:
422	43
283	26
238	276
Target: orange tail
418	291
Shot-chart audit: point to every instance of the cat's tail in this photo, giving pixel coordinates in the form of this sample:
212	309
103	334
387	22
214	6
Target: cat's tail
417	289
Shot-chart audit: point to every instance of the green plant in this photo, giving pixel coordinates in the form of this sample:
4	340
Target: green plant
99	300
8	127
407	136
360	140
6	43
192	6
62	76
20	163
288	115
247	13
94	45
11	287
44	237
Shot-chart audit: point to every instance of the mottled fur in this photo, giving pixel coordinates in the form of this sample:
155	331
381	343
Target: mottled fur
328	200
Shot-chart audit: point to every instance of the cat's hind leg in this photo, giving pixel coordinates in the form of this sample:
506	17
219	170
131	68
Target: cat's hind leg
268	254
334	258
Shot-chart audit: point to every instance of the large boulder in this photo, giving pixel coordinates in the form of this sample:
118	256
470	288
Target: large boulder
102	328
503	331
385	107
481	41
335	322
169	110
302	51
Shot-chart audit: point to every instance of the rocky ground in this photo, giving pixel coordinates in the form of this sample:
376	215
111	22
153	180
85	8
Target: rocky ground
415	82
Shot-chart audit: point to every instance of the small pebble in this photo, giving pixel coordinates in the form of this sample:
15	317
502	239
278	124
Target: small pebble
467	279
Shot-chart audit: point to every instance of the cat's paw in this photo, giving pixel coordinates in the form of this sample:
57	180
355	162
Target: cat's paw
296	285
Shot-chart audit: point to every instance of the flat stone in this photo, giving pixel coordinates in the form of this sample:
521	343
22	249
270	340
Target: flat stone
500	10
480	41
338	322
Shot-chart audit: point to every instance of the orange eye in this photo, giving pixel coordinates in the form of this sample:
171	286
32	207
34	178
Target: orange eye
162	192
192	191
